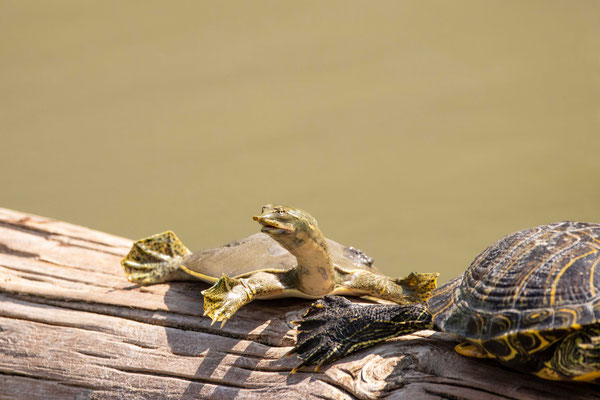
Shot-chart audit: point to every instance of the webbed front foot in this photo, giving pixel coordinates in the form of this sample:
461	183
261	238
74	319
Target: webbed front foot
225	297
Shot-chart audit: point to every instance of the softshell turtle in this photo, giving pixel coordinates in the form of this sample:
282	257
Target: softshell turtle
530	300
290	258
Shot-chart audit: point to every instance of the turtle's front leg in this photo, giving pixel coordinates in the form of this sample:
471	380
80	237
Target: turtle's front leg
416	287
228	295
577	357
334	327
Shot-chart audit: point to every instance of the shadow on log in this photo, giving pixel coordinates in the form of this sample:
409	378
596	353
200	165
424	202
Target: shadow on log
72	326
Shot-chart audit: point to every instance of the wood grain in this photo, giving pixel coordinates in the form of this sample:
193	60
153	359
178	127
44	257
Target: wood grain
72	327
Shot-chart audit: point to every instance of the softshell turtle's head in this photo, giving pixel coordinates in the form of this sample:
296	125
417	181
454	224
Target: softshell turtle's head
289	226
298	233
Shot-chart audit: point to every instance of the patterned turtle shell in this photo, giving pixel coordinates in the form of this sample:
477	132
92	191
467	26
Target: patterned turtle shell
545	278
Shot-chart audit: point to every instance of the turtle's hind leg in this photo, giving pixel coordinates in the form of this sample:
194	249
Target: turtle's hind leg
155	259
415	288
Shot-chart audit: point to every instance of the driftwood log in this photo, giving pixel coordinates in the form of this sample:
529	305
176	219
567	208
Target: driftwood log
72	326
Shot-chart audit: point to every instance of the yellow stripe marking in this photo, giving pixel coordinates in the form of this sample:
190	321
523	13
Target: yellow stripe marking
592	289
205	278
588	377
443	308
451	298
552	255
591	237
507	269
529	243
470	350
518	292
548	373
562	271
513	351
543	343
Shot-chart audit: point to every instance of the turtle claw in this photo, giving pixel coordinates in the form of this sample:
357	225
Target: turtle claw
136	265
223	321
319	365
297	367
319	356
290	353
224	298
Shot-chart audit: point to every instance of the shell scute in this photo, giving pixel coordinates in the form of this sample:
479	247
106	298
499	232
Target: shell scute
542	278
500	324
537	317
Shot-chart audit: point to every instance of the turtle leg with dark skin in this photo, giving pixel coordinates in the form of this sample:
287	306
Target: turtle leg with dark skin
416	287
334	327
577	357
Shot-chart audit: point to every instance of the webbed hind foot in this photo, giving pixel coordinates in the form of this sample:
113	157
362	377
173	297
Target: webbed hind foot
418	286
155	259
415	288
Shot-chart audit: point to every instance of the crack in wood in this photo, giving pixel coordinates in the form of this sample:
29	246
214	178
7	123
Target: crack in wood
462	385
194	379
49	379
443	395
23	227
325	397
56	237
339	386
25	274
75	267
94	354
270	369
14	252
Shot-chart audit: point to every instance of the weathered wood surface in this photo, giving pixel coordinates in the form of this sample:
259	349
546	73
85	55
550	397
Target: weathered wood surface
71	326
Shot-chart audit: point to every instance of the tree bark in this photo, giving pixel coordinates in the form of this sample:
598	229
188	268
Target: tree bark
72	326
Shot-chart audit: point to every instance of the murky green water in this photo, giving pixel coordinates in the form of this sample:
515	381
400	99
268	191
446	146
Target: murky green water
417	131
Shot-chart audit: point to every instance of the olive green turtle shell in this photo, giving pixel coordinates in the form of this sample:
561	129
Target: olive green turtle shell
545	278
259	251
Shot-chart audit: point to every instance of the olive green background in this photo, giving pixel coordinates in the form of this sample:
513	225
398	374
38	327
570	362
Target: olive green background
418	131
